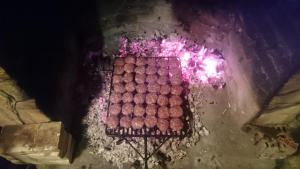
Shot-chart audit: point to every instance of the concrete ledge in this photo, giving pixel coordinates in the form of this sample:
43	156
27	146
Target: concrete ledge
42	143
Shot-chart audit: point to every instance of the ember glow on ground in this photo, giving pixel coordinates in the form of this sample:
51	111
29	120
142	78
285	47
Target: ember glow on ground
199	64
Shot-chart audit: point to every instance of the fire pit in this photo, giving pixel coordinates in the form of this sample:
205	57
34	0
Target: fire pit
201	68
148	100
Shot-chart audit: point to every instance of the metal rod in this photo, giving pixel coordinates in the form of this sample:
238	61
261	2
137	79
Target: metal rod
157	148
146	153
134	148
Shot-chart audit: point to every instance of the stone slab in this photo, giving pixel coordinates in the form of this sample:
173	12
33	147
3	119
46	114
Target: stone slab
11	88
7	116
3	75
35	143
30	113
284	107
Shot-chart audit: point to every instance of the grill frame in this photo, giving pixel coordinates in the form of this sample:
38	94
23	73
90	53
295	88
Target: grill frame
153	132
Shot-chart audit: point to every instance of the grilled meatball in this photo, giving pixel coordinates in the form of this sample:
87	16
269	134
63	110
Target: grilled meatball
150	121
119	62
112	121
127	97
128	77
151	109
174	63
162	100
118	87
163	62
139	98
139	110
176	80
151	98
117	79
151	61
140	78
162	71
115	109
151	70
176	111
165	89
129	68
175	72
153	87
176	124
163	112
151	78
140	61
141	88
130	59
127	108
140	70
175	101
163	125
125	122
130	87
115	97
137	122
176	90
162	80
118	70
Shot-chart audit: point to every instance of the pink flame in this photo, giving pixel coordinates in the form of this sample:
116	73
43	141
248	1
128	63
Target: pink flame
185	59
210	66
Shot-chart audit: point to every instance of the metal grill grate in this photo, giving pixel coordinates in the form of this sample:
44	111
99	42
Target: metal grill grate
153	132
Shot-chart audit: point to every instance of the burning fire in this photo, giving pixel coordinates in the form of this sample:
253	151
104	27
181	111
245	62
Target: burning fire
202	66
199	64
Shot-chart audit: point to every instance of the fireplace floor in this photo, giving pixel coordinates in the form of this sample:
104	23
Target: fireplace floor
225	146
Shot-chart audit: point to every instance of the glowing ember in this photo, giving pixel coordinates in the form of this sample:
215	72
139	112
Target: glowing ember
199	64
170	47
202	67
210	66
185	59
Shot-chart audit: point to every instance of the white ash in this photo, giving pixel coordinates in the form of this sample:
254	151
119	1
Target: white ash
107	147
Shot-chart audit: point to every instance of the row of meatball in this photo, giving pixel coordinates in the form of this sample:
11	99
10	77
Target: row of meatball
149	98
142	79
141	61
175	124
151	110
149	70
151	88
140	69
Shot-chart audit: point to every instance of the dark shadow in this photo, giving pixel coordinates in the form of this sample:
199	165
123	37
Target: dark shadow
50	48
279	164
188	11
7	165
273	28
